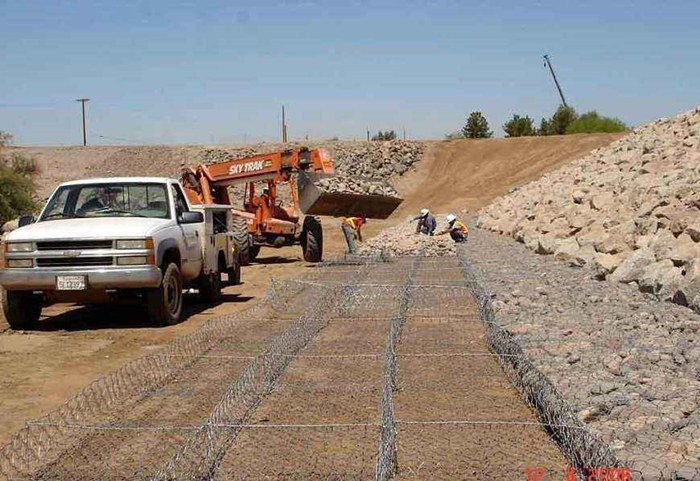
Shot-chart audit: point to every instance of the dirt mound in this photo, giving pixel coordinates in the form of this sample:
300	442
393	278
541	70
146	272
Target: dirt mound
630	211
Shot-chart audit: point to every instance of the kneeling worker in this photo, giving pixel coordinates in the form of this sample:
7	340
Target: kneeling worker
458	231
426	222
352	230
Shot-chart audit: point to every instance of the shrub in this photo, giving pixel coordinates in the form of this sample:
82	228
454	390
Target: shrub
476	127
519	126
16	184
592	122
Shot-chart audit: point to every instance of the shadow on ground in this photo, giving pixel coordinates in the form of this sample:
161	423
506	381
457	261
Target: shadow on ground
122	316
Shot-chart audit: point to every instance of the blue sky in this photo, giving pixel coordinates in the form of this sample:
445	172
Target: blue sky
218	71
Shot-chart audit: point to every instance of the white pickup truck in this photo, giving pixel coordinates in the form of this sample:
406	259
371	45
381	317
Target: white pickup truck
99	239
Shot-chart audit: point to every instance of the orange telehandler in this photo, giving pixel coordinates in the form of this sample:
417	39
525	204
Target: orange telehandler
264	221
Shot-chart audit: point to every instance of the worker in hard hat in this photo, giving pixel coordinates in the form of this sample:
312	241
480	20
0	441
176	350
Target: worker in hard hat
458	231
352	230
426	222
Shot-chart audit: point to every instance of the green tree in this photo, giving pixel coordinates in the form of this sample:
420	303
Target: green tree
592	122
476	127
388	135
519	126
561	120
544	127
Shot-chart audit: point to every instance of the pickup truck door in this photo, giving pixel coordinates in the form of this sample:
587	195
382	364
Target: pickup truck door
192	252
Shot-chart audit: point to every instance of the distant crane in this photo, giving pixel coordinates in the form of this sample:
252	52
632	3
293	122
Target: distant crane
547	63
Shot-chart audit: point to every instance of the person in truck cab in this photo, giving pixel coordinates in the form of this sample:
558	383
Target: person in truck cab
105	198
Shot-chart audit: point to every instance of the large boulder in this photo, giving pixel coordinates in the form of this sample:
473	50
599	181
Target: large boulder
569	251
661	278
693	230
633	267
602	265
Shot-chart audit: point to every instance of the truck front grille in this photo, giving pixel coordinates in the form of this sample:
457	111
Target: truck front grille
74	261
73	245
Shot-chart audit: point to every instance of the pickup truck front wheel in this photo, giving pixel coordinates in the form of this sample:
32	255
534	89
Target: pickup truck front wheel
22	309
165	302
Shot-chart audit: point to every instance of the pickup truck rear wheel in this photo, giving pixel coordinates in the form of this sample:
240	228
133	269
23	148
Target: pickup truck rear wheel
210	287
165	302
22	309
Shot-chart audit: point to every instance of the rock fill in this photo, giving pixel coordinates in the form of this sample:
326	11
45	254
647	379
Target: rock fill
630	211
402	240
356	185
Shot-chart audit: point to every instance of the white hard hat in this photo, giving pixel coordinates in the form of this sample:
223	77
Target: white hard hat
451	218
424	212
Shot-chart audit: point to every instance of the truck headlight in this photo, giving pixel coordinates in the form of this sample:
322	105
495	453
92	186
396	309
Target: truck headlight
20	247
135	260
135	244
20	263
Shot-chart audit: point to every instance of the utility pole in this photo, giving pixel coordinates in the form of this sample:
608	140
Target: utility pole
547	63
404	133
367	134
284	127
82	101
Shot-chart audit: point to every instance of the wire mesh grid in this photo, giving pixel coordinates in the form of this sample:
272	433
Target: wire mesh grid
376	368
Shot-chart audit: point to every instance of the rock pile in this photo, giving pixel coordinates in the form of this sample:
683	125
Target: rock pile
375	159
402	240
356	185
213	156
630	212
363	159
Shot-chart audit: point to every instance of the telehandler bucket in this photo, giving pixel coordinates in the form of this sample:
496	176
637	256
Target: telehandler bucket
315	201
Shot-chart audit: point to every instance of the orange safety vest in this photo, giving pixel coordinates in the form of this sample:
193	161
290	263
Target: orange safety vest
354	222
460	227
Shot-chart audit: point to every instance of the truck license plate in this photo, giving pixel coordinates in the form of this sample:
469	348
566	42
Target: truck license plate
71	283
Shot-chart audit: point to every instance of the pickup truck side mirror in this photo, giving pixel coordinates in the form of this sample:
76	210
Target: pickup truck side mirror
190	218
26	220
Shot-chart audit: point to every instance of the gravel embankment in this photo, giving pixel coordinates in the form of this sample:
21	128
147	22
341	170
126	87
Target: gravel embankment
631	210
628	364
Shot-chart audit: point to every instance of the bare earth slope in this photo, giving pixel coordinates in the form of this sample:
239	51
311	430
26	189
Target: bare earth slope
470	173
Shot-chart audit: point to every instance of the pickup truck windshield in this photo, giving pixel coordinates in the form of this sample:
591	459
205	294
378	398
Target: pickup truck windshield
108	200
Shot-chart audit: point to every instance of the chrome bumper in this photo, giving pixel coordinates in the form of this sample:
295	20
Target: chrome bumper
38	279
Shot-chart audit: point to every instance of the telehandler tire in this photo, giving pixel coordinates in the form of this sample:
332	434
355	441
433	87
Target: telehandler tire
241	239
312	239
165	302
22	309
